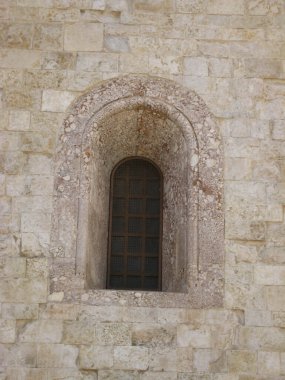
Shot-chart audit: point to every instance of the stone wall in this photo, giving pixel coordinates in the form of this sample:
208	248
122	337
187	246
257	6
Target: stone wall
232	53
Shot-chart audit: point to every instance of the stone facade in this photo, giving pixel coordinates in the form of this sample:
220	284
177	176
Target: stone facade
232	54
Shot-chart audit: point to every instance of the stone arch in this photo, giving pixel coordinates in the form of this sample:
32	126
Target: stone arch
194	234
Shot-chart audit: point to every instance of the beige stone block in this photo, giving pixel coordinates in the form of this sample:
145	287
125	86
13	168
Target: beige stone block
39	331
12	267
95	357
268	170
196	338
39	164
78	332
15	185
12	162
265	68
46	121
83	37
7	331
19	120
224	317
57	101
59	15
275	296
9	141
10	244
48	37
37	267
34	245
261	338
190	6
165	65
154	5
268	363
23	97
118	334
275	107
20	311
58	60
258	8
102	313
26	373
116	44
242	361
257	317
23	290
237	169
227	376
103	62
278	130
2	184
172	315
273	255
220	68
140	314
16	35
57	355
19	355
80	80
131	358
226	7
118	375
269	275
133	63
184	359
24	13
276	233
242	191
38	142
153	335
20	59
68	312
209	361
5	206
163	359
195	66
45	79
70	374
159	375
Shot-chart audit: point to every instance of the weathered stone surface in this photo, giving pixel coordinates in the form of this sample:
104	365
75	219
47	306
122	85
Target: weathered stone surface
48	37
96	357
131	358
56	101
242	361
83	37
57	355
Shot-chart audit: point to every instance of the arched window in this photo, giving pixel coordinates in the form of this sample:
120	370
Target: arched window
135	226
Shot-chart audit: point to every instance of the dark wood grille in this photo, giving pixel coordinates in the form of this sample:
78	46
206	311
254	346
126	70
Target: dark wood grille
135	228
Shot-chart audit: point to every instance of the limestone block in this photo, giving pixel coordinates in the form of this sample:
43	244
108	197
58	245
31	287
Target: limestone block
26	373
249	191
16	35
54	79
9	141
164	65
274	107
276	233
38	142
57	15
196	338
268	363
116	44
118	334
131	358
209	361
19	311
164	359
257	317
68	312
226	7
130	63
12	162
18	355
57	355
58	60
230	376
154	5
173	315
196	66
20	59
79	81
192	6
140	314
42	331
32	204
266	170
24	14
278	130
118	375
19	120
269	275
275	297
83	37
265	68
48	37
5	205
220	68
153	335
224	317
78	332
261	338
2	184
9	244
7	331
258	8
282	354
56	101
184	359
242	361
23	290
273	255
103	62
37	267
237	169
12	267
158	375
95	357
23	97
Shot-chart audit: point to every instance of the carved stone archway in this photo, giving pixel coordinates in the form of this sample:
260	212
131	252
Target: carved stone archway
158	119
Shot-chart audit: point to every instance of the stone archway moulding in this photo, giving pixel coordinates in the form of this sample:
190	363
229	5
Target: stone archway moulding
72	189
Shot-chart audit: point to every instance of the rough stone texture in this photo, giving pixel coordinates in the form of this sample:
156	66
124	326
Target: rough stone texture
54	56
